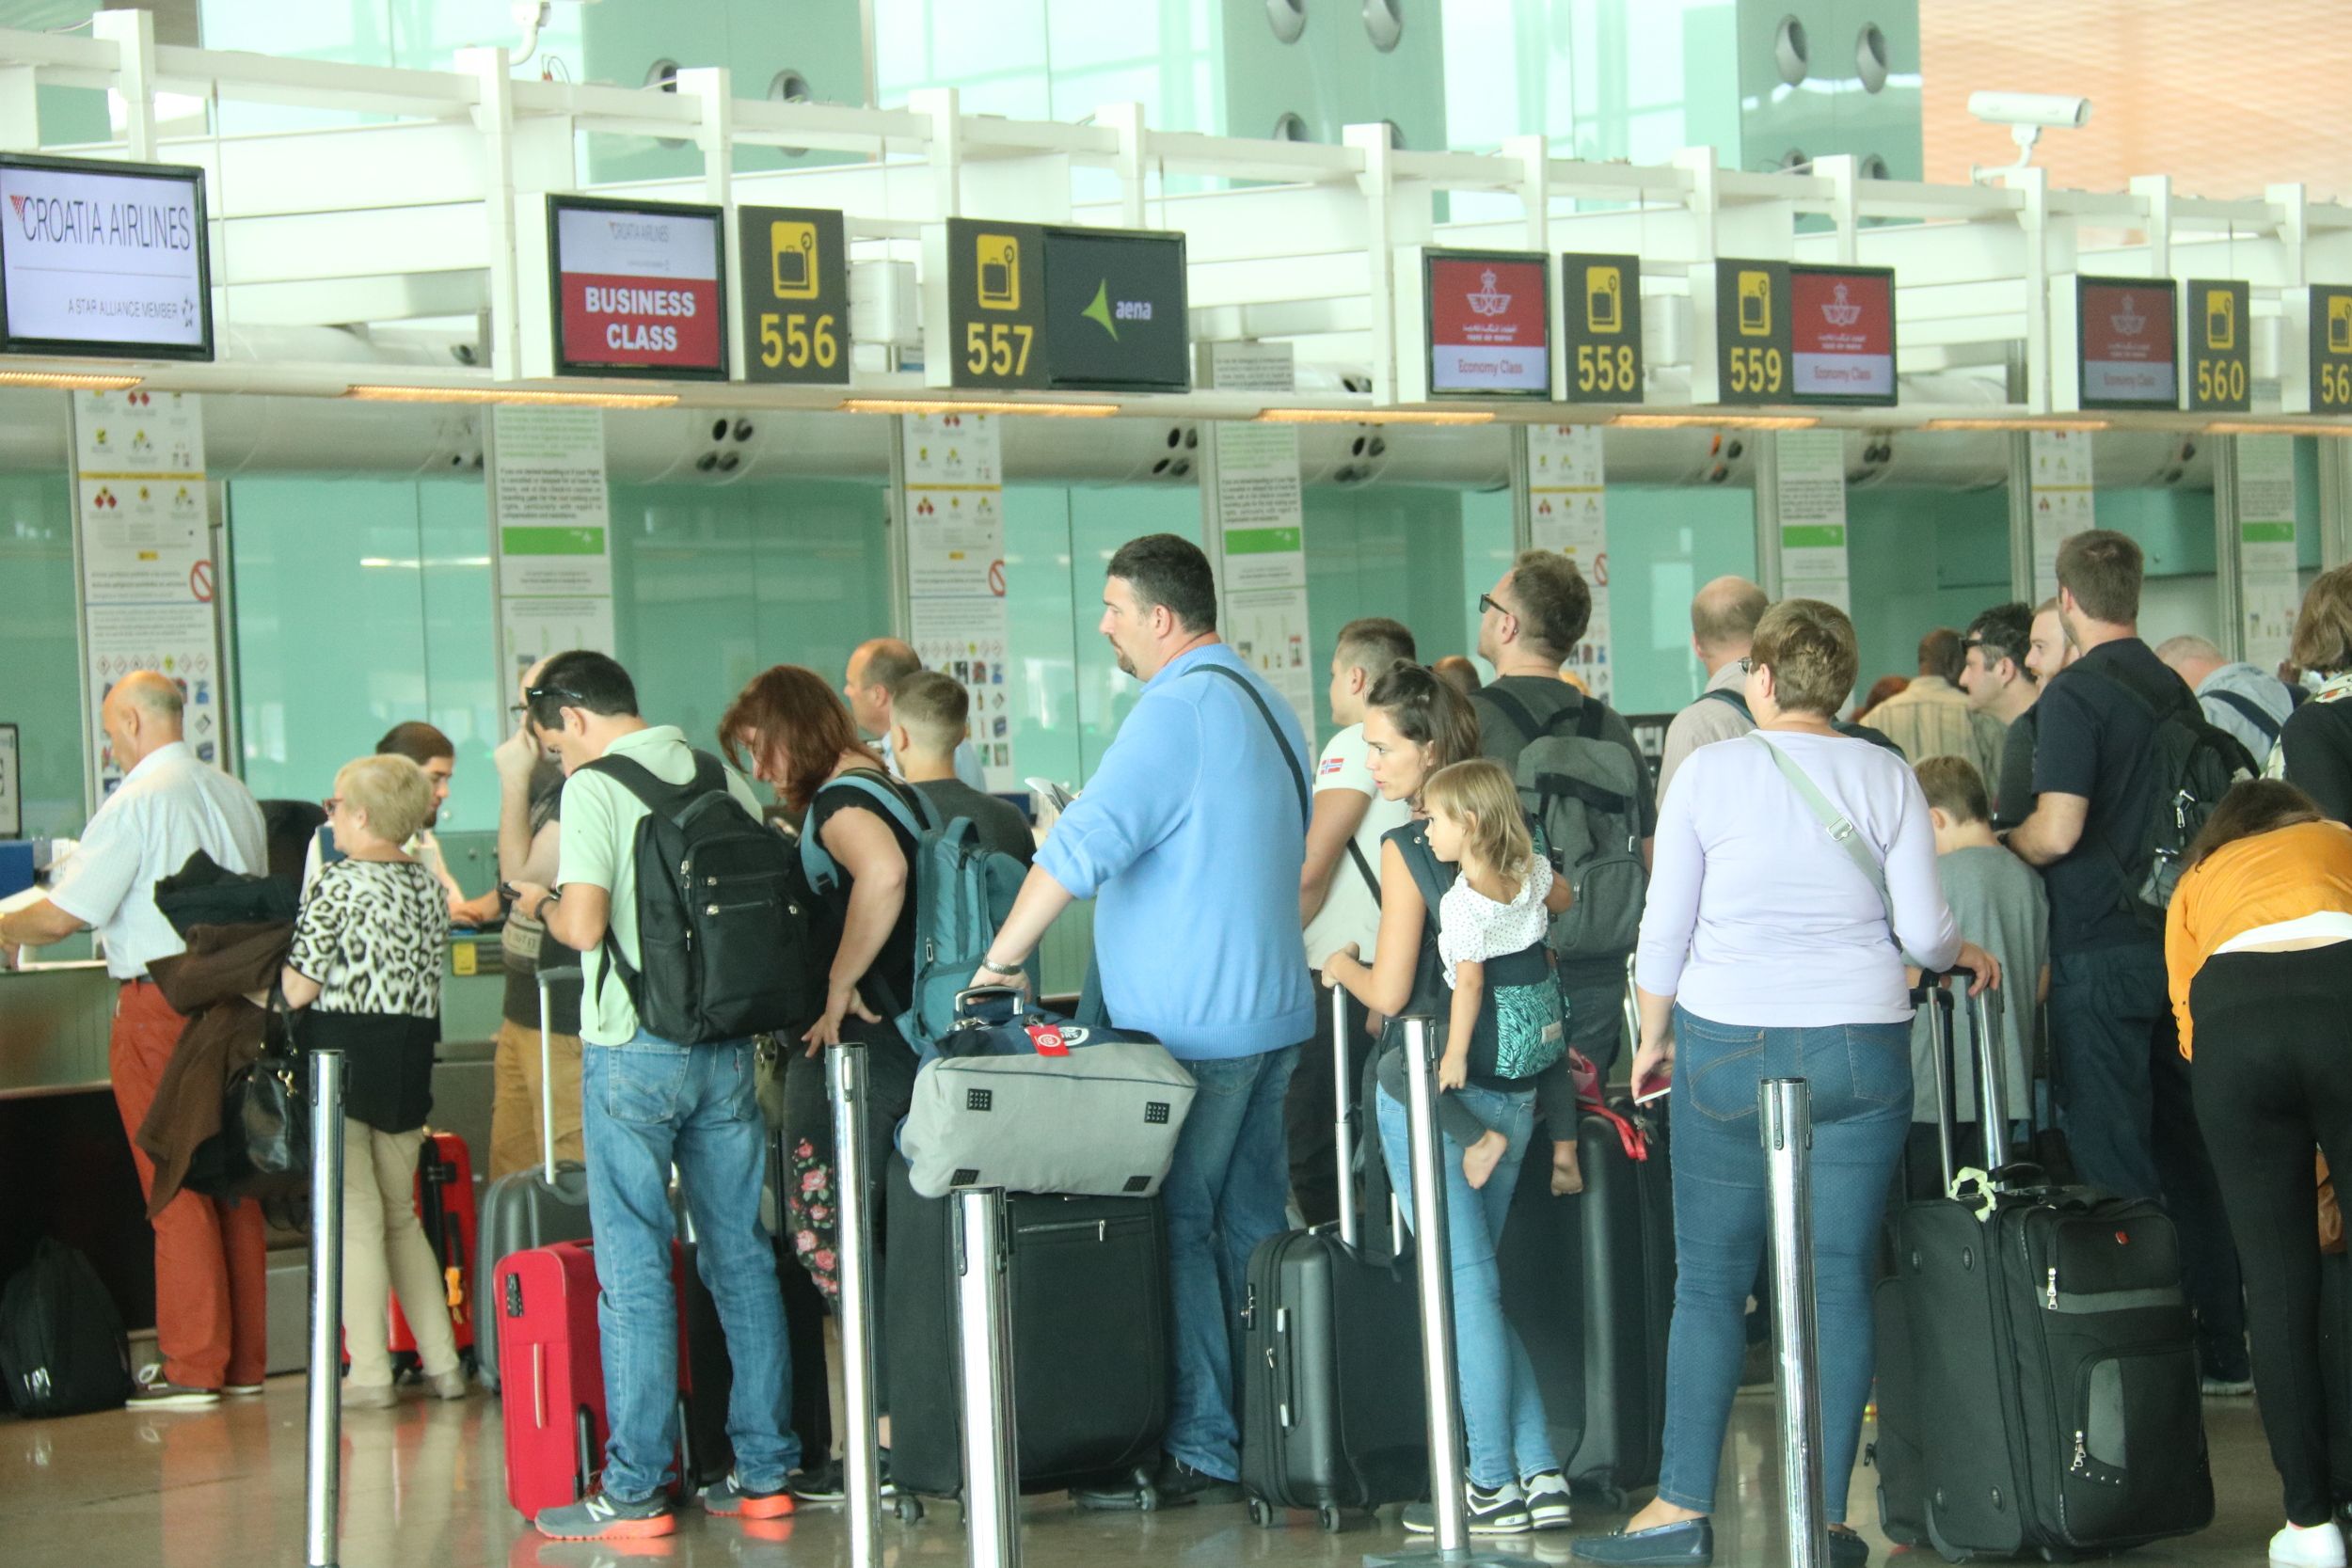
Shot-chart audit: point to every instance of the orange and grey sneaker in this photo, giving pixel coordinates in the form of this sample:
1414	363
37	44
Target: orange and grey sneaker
601	1516
731	1500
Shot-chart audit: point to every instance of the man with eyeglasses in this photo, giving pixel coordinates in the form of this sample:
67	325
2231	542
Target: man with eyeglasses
530	794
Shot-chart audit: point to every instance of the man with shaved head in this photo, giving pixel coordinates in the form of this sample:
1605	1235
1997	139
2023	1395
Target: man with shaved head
1722	623
209	1279
876	668
2248	703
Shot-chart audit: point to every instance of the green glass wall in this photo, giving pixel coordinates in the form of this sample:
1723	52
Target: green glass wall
38	640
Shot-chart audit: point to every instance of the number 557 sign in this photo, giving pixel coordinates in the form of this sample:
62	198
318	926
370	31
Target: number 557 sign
795	295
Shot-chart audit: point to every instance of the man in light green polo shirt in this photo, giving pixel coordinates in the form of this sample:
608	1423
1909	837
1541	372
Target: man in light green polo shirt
647	1103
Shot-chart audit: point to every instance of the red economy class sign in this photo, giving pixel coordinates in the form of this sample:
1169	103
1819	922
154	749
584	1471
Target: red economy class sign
1489	323
638	288
2127	349
1841	329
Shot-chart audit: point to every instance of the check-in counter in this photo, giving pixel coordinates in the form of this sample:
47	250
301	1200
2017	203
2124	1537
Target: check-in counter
53	1019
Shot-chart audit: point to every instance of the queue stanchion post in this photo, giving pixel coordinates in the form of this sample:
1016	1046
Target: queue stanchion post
844	1072
322	1445
991	1496
1785	1114
1434	1273
1993	1107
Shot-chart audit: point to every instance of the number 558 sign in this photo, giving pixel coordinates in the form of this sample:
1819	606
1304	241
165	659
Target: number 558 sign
795	295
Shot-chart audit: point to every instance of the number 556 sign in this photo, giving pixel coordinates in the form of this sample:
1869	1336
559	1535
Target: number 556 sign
795	295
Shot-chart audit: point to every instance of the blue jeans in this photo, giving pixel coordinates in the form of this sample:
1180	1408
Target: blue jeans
1501	1410
1225	1193
646	1105
1860	1079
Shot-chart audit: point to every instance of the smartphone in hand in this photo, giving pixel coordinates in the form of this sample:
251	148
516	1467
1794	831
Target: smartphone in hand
1651	1087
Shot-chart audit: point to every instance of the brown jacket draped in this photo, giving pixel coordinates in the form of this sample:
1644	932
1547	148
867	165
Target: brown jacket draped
208	985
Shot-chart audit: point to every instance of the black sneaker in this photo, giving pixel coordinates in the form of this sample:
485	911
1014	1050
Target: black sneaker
1548	1501
829	1482
1178	1483
1500	1511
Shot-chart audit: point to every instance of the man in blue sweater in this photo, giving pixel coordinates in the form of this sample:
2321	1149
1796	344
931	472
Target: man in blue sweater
1190	838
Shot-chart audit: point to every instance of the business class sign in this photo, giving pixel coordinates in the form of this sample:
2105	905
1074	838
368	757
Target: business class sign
637	288
105	258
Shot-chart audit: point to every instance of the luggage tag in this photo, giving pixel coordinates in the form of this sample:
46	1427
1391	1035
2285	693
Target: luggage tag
1973	1190
1047	1040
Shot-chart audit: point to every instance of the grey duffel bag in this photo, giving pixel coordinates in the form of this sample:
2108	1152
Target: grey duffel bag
1031	1102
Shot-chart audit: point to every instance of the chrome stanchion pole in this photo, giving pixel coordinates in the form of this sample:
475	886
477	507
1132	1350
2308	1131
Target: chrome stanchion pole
1434	1273
324	1437
1343	1115
844	1072
992	1512
1784	1107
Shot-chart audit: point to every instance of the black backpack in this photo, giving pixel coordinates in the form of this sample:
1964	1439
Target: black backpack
1583	791
2196	762
728	936
62	1347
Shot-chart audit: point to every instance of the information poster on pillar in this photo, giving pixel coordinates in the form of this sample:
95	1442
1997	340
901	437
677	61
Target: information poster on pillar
144	544
1567	511
2267	584
2059	470
1256	520
954	506
1812	495
552	516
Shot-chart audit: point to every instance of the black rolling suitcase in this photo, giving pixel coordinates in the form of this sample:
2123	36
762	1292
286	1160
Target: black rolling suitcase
2051	1374
1089	1342
1588	1281
1333	1413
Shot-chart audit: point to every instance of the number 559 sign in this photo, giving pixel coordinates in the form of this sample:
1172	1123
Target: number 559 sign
795	295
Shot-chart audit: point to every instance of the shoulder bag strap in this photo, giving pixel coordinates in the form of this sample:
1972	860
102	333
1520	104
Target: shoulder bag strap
1516	711
1736	701
1281	742
1835	823
2252	711
1363	866
659	796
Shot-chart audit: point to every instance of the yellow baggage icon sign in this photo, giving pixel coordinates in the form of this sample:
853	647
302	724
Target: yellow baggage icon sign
792	252
1755	304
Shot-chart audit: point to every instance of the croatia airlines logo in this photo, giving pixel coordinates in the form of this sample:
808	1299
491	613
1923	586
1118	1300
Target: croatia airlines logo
1486	300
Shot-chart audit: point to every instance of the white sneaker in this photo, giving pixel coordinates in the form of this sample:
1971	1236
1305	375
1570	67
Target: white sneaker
2315	1547
451	1385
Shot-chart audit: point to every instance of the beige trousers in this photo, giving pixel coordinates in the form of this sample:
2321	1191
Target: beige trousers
385	1250
515	1098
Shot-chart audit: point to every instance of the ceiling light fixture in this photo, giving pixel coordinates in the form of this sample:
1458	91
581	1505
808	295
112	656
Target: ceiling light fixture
1376	416
2015	422
942	406
1716	421
520	396
71	381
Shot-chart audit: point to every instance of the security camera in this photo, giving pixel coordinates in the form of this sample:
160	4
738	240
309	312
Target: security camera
2025	114
2037	109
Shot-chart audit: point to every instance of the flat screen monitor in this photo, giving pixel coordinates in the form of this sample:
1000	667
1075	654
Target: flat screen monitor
104	258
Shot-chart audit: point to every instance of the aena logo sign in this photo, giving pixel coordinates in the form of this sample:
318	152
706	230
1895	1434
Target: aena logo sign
1107	312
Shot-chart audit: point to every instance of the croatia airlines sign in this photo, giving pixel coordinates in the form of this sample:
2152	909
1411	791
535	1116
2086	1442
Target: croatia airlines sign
104	258
637	289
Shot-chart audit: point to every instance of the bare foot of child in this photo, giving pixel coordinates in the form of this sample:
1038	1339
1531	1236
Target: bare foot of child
1480	1158
1567	1176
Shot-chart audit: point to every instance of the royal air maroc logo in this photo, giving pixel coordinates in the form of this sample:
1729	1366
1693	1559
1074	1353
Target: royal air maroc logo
1841	312
1107	312
2128	322
1487	300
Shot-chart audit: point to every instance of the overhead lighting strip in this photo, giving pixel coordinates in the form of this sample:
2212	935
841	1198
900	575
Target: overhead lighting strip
977	405
1715	421
2017	422
522	397
1376	416
71	381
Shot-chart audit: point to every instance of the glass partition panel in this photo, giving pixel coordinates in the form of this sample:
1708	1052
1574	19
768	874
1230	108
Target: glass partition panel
1663	542
38	647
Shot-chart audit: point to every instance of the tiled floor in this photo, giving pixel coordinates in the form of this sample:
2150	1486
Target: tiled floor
421	1489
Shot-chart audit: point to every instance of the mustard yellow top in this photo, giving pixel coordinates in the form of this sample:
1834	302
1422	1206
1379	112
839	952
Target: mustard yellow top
2282	875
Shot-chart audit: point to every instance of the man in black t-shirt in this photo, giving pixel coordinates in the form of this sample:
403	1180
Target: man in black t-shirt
929	716
2121	1083
1527	626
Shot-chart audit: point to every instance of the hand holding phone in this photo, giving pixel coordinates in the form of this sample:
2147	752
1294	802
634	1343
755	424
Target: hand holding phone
1652	1086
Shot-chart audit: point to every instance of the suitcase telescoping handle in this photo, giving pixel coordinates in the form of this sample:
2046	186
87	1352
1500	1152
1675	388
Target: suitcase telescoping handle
548	979
1984	1029
1003	1005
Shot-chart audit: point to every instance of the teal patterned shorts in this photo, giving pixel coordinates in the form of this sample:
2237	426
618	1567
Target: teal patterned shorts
1531	1028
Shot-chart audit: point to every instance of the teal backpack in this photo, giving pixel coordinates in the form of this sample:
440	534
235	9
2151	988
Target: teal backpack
963	892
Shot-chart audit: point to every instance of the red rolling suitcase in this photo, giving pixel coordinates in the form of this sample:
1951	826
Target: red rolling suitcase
445	1206
551	1366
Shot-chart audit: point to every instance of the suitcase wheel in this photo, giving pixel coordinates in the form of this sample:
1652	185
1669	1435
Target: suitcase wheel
909	1509
1330	1518
1944	1549
1262	1513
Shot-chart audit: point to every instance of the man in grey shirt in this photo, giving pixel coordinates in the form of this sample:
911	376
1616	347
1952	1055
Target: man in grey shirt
2235	696
928	714
1723	625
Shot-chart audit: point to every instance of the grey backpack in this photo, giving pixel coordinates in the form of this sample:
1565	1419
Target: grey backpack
1585	790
